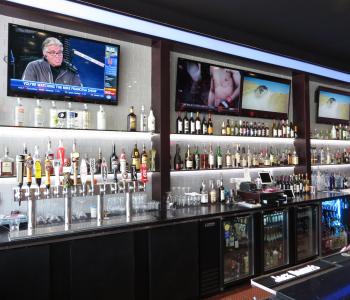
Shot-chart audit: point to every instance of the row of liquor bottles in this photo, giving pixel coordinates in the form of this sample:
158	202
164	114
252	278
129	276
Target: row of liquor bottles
81	119
328	180
281	129
336	132
298	183
58	163
237	157
320	156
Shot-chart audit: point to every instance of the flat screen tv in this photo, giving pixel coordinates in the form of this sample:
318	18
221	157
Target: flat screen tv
51	65
265	96
333	106
205	87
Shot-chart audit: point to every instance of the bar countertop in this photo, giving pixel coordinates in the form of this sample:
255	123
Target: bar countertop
49	234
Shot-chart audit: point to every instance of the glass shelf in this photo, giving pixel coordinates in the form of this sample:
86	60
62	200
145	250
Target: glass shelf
330	166
37	132
229	138
322	142
228	170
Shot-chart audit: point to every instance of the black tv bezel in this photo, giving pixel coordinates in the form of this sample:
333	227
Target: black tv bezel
178	105
251	113
47	96
331	121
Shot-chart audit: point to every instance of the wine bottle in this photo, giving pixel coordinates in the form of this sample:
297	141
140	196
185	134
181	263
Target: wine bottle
198	125
177	159
131	120
143	122
188	159
113	159
204	126
218	158
19	113
151	121
136	158
186	124
210	125
192	124
179	124
98	162
211	158
196	159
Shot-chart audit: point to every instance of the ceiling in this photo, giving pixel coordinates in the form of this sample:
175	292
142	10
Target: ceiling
313	30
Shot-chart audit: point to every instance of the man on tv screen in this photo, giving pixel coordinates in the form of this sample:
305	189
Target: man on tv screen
51	68
224	87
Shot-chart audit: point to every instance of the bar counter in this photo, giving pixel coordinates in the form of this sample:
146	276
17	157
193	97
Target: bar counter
115	224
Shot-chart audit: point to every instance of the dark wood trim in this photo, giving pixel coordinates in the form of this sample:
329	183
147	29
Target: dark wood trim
301	118
161	107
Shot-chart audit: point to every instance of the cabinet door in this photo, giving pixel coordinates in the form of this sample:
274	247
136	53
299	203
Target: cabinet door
173	262
103	267
25	273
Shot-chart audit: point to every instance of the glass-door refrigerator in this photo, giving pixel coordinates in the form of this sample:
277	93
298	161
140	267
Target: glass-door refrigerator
237	248
306	232
335	225
276	240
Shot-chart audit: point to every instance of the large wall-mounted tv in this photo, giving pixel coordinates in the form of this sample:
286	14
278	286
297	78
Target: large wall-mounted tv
205	87
265	96
333	106
51	65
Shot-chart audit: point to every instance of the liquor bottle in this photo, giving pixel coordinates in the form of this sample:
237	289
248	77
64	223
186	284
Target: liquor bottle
244	129
143	122
98	162
228	127
267	131
258	131
210	125
19	113
192	124
198	125
188	159
295	158
204	193
274	129
212	192
238	157
287	129
37	166
218	158
204	125
328	157
50	155
228	158
74	157
232	128
249	158
295	131
196	159
60	154
186	124
243	158
53	115
222	190
263	130
179	124
291	127
122	160
223	128
38	115
7	164
48	167
101	119
177	159
240	127
279	130
132	123
284	129
85	117
211	158
70	116
151	121
136	158
236	129
144	156
152	158
204	159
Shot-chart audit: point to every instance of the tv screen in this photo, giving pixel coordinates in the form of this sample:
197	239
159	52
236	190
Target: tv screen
50	65
333	106
265	96
206	87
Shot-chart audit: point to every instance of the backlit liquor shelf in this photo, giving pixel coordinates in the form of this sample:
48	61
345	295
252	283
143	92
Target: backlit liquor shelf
322	142
230	170
224	139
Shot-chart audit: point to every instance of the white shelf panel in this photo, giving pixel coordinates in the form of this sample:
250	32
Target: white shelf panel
227	139
319	142
34	132
229	171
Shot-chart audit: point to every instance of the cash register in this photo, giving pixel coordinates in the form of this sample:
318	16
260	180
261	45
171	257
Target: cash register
268	195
